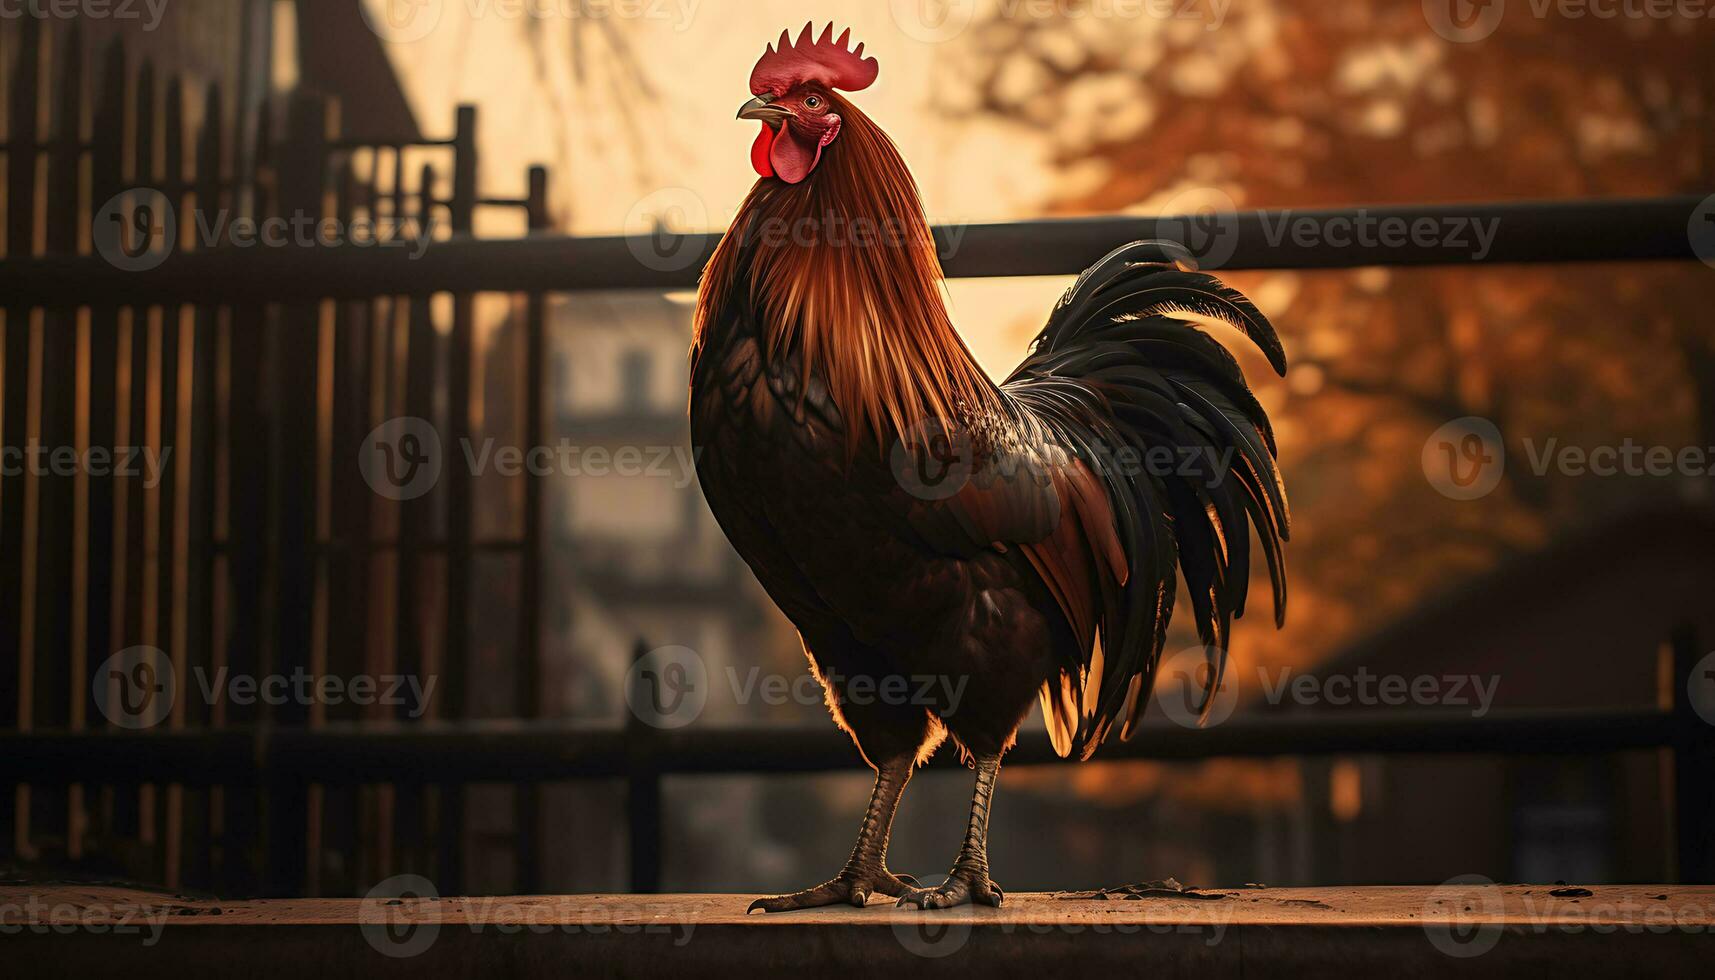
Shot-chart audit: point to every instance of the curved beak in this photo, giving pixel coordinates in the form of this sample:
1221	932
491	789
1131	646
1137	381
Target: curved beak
759	109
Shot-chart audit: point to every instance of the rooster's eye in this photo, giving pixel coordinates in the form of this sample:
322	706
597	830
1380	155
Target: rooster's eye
813	102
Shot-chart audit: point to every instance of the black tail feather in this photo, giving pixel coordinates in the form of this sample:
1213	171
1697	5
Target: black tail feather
1115	371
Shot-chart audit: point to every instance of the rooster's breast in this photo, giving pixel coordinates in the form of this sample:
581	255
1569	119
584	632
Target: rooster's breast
823	534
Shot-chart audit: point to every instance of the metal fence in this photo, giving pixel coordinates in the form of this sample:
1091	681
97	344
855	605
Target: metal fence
260	366
249	543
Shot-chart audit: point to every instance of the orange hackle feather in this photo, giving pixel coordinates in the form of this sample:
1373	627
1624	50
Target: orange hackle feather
843	269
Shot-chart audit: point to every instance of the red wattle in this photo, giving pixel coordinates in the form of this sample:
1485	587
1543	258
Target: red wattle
792	157
760	149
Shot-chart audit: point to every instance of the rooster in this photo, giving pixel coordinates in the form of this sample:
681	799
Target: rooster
912	518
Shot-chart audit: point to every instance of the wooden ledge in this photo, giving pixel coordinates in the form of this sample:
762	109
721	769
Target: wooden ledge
1473	929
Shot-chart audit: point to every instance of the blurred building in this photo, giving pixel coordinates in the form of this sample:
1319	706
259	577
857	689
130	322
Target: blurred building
1588	622
635	556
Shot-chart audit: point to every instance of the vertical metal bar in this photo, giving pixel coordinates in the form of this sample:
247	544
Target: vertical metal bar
143	172
643	795
527	821
168	519
348	560
460	527
20	241
400	195
14	379
294	532
133	807
252	77
200	593
107	177
82	652
417	514
247	454
22	138
1693	764
382	812
172	178
351	498
56	486
415	517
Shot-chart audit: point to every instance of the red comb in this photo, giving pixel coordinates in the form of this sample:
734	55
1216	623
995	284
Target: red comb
823	60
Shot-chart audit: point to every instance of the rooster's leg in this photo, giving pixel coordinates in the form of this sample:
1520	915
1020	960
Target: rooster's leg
866	873
968	882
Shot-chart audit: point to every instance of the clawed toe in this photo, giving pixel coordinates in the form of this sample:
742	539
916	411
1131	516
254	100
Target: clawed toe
855	889
961	888
827	893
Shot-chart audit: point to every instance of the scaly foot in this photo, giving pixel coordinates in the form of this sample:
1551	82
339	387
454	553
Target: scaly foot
854	887
962	887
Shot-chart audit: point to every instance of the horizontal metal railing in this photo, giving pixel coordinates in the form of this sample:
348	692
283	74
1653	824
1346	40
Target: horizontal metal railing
1522	232
431	752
